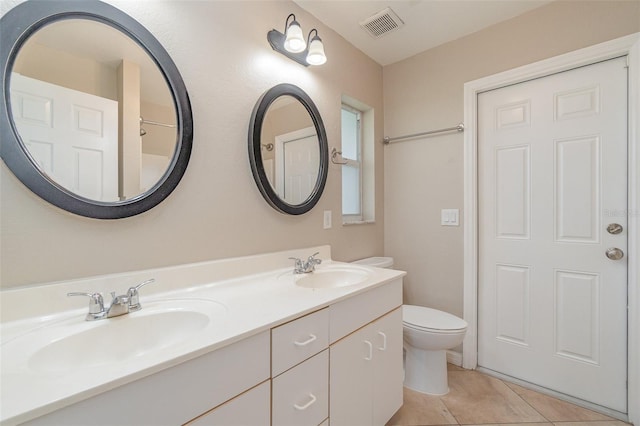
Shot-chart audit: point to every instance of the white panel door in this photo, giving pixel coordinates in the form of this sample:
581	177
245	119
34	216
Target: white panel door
552	177
298	161
73	136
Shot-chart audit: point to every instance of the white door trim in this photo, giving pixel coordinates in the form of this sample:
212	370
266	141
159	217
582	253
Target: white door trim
628	45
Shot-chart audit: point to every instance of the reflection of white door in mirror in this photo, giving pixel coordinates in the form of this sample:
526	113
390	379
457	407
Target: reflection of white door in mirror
297	162
73	136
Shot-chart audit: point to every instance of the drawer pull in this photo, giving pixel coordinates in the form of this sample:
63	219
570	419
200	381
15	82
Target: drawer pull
312	337
370	346
307	405
384	341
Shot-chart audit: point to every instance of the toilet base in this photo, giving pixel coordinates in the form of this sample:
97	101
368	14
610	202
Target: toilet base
426	371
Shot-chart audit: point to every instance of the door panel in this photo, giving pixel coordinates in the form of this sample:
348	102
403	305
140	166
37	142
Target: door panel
552	177
71	135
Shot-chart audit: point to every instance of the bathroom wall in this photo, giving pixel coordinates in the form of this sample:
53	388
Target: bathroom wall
221	50
425	92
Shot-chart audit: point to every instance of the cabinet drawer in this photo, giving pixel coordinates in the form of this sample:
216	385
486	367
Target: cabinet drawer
298	340
300	396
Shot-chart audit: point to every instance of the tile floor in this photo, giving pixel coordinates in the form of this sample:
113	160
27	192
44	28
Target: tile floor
477	399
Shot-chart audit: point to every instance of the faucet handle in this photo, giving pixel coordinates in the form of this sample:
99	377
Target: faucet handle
313	259
134	297
96	304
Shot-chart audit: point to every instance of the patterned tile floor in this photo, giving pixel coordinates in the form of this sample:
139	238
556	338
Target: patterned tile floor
477	399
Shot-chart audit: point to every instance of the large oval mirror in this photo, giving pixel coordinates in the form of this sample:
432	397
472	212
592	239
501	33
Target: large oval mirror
288	149
95	116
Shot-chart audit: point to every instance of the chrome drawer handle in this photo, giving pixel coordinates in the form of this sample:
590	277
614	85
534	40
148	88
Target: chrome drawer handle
307	405
312	338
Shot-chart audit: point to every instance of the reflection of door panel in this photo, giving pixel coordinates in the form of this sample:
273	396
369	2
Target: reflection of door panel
297	163
552	176
72	135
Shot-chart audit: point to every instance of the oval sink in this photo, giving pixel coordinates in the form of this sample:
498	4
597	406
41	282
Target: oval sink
333	277
76	344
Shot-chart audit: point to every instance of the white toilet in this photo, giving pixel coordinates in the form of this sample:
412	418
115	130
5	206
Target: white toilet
428	333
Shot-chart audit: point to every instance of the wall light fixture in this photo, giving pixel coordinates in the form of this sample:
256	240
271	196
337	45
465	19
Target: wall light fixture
293	45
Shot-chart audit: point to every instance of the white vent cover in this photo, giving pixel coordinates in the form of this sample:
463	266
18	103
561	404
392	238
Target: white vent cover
382	23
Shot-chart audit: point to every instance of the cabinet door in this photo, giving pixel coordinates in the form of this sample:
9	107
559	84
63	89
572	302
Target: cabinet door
351	381
249	408
387	371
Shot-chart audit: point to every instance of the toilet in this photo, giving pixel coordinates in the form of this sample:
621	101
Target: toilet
428	334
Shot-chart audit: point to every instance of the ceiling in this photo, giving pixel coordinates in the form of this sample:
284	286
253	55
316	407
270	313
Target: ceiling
427	23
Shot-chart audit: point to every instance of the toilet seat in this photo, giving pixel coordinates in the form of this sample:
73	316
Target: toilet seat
430	320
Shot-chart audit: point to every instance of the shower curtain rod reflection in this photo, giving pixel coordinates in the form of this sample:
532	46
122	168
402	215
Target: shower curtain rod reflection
156	123
459	128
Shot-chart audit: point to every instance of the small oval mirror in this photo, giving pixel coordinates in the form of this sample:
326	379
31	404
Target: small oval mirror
98	118
288	149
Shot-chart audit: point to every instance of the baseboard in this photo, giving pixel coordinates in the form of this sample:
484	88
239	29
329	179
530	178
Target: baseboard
454	358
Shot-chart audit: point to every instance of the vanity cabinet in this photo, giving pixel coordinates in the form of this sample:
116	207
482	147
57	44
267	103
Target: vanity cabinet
366	373
339	365
179	394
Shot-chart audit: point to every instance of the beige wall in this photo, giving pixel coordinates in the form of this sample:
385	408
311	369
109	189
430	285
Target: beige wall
425	92
223	55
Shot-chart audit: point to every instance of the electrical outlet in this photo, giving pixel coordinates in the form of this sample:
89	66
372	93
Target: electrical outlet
327	219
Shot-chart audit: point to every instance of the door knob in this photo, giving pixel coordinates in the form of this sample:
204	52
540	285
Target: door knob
614	253
614	228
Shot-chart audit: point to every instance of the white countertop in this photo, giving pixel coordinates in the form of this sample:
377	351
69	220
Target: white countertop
245	305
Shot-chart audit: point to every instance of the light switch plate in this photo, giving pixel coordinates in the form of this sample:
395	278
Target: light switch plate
450	217
327	219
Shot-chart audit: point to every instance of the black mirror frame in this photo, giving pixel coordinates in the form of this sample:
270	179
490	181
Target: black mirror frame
15	28
255	151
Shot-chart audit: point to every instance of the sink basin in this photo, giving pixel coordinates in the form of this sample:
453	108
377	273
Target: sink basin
333	277
74	344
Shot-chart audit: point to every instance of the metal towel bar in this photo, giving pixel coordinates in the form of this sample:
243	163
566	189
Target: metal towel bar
459	128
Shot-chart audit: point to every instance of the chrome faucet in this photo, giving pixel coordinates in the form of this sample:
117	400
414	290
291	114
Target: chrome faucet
302	267
120	305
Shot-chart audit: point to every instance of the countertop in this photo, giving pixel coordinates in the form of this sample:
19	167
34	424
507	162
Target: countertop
242	305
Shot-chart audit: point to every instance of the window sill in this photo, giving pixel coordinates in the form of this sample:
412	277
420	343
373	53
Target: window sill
358	222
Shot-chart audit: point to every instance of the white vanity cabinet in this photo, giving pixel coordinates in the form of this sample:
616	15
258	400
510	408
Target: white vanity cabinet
179	394
338	365
366	366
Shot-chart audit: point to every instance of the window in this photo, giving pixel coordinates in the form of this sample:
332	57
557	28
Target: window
352	170
358	151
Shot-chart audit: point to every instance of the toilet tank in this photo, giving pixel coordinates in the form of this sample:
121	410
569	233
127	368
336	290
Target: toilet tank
378	262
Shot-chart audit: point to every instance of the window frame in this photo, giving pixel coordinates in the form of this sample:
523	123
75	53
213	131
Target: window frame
357	163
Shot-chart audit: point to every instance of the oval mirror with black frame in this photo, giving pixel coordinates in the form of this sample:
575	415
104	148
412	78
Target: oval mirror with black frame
288	149
95	117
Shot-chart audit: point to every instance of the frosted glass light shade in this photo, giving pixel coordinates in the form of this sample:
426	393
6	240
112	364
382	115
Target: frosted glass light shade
316	54
294	41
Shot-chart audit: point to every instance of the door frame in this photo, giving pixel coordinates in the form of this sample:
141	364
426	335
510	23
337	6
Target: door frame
629	46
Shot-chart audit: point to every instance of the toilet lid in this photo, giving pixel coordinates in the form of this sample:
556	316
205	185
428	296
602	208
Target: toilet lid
432	319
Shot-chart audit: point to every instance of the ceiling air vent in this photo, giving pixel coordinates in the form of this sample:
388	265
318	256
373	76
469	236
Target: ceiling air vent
382	23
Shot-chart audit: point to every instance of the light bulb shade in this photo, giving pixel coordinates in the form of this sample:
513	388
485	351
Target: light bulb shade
316	54
294	41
